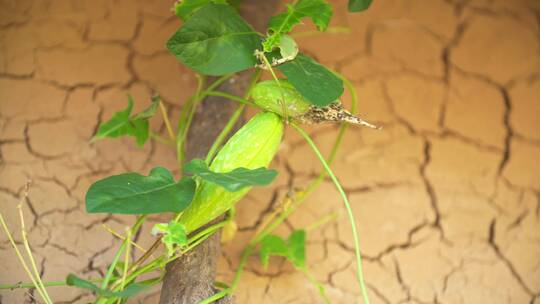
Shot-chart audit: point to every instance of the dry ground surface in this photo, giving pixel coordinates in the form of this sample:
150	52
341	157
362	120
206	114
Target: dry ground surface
447	196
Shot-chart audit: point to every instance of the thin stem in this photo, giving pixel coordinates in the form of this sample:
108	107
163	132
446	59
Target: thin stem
153	265
115	260
185	122
126	260
229	96
232	121
206	231
224	133
215	297
31	256
181	126
200	238
31	285
269	226
116	234
20	257
217	83
220	285
328	218
333	153
166	120
269	67
46	284
359	271
243	260
352	91
109	273
317	284
161	139
145	256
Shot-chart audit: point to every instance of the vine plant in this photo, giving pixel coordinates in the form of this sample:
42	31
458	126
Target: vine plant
215	41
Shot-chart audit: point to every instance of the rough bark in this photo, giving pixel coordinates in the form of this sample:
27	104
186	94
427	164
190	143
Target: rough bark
190	279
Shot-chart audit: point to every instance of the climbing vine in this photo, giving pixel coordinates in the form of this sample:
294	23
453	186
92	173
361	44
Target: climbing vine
214	40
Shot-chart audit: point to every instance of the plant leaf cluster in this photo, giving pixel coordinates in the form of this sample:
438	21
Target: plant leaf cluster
293	248
216	41
124	124
174	234
133	193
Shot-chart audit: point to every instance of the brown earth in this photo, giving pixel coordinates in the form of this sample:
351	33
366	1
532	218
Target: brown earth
447	195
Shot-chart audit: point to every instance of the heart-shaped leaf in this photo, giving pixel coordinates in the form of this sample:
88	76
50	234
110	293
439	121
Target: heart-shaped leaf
294	249
319	11
297	248
358	5
132	193
123	124
215	40
234	180
185	8
272	245
314	81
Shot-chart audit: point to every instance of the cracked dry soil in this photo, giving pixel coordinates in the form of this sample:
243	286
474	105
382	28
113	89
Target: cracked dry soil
447	196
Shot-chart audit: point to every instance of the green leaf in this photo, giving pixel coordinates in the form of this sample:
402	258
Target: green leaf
319	11
359	5
130	290
272	245
150	111
215	40
297	248
234	180
183	9
314	81
132	193
294	249
174	235
123	124
288	48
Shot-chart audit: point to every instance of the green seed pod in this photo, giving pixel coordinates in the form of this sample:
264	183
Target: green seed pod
269	95
252	147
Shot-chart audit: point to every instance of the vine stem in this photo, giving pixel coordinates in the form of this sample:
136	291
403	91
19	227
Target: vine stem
317	284
126	259
215	297
166	120
31	285
234	117
269	67
186	120
110	271
272	225
162	140
328	218
359	271
229	96
224	133
21	259
118	235
30	255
